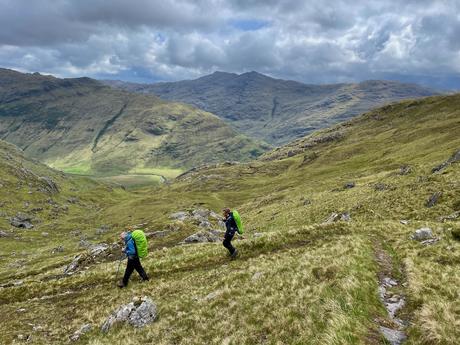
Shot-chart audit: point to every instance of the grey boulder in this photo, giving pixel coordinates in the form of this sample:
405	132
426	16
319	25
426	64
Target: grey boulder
422	234
138	313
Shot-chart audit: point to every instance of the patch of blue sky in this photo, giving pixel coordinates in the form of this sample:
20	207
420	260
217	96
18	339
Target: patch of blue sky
249	24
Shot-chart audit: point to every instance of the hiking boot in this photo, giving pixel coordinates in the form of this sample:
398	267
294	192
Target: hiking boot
235	254
120	284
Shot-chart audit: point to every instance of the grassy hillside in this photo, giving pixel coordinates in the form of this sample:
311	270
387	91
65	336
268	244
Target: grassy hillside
274	110
83	127
300	279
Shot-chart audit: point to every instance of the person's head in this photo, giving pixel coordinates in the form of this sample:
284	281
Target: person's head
226	212
122	235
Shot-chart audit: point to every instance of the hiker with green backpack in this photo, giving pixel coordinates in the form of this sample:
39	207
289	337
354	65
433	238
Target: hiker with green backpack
233	224
135	249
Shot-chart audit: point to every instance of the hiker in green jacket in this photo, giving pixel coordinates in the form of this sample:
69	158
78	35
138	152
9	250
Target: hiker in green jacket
134	263
232	228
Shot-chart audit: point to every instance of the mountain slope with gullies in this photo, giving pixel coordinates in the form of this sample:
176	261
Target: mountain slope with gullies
274	110
81	126
352	235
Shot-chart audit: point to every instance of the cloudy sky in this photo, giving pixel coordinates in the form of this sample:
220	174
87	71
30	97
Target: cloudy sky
310	41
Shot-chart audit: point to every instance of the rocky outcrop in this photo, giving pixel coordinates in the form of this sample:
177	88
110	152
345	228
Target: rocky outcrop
335	217
433	199
205	236
138	313
453	159
48	185
22	220
97	253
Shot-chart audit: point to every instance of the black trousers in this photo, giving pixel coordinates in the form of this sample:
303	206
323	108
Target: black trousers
228	242
134	264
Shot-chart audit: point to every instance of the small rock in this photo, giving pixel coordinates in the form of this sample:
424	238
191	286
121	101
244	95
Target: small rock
405	170
72	200
258	234
84	243
202	237
45	234
4	234
205	224
332	218
306	202
345	217
404	222
349	185
452	216
102	229
212	295
257	276
380	186
58	249
84	329
430	242
389	281
179	216
422	234
393	336
137	316
433	200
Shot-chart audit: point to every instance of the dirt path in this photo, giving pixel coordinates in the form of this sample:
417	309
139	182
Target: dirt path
392	296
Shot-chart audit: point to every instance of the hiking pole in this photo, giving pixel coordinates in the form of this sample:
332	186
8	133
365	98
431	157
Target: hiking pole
118	270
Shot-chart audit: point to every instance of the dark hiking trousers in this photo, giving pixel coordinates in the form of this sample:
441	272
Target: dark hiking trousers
228	241
134	264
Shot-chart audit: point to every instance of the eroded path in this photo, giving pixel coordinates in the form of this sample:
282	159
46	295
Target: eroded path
392	294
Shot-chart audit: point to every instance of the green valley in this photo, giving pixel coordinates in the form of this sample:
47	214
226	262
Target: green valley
83	127
328	246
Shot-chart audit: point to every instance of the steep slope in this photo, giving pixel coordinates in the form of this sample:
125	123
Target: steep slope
82	126
328	221
276	110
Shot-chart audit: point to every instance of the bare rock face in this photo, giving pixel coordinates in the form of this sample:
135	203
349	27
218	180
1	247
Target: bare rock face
138	313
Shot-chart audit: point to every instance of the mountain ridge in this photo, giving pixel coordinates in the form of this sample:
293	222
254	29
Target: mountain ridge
276	110
83	126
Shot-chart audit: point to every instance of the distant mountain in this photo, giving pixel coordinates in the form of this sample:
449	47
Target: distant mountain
276	110
83	126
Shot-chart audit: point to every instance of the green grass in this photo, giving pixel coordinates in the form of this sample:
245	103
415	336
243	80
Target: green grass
317	283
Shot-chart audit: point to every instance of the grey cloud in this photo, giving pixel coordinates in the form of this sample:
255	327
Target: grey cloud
175	39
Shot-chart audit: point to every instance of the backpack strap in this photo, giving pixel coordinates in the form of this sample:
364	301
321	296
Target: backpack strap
135	246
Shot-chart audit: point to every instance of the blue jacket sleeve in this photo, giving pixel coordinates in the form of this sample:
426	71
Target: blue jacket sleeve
130	249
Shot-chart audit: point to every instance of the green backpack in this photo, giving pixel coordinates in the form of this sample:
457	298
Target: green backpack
238	221
141	243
